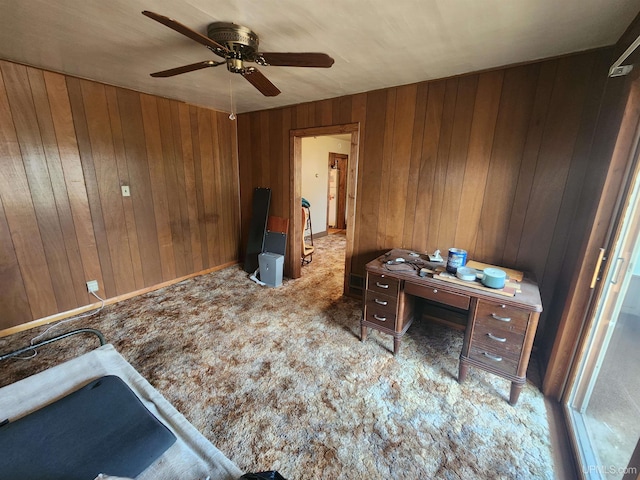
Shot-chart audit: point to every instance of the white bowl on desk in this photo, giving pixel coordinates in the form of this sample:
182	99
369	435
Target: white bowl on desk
466	274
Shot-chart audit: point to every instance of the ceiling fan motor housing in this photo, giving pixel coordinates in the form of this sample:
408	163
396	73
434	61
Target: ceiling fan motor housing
240	41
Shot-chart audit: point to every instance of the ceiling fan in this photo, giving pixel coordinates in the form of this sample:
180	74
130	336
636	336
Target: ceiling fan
237	45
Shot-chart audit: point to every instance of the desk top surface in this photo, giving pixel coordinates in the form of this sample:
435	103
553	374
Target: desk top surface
528	297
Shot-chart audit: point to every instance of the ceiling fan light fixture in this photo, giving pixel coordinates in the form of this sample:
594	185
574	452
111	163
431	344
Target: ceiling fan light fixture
235	65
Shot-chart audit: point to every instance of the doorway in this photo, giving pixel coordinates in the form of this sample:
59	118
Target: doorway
296	136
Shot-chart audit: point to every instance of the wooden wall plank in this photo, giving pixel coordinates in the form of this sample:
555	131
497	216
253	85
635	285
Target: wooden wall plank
70	268
456	162
359	116
476	170
216	183
263	151
102	149
13	302
541	102
234	193
279	205
170	183
402	133
324	113
286	192
91	184
556	150
197	164
302	116
74	180
222	126
229	188
123	176
440	167
29	138
142	195
155	155
207	166
341	110
417	136
560	249
499	188
426	174
178	167
387	161
371	161
608	122
190	186
20	213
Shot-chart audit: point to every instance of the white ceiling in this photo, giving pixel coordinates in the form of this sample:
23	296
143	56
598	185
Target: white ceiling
375	43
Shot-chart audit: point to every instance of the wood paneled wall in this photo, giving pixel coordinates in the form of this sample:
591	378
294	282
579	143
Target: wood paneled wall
66	148
493	162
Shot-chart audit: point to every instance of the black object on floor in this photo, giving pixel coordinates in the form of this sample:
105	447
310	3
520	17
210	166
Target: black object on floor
275	242
270	475
257	228
101	428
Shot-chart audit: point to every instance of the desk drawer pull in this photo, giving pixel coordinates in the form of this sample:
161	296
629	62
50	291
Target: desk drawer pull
495	358
502	319
382	285
497	339
380	319
435	290
380	302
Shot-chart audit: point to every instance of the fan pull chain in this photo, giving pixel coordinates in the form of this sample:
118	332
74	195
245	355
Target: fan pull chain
232	115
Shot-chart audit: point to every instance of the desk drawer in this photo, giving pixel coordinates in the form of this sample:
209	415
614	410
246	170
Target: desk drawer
494	360
383	284
381	315
436	294
380	301
503	317
505	343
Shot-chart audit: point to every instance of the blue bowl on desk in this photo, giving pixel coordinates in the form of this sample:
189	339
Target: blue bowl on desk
494	278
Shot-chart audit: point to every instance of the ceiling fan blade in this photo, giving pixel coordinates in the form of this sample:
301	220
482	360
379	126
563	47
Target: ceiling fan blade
262	83
184	30
301	59
186	68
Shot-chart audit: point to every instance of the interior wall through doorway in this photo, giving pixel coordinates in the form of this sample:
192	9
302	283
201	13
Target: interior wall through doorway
315	174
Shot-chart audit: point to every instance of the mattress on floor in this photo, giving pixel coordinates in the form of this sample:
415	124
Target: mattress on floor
190	456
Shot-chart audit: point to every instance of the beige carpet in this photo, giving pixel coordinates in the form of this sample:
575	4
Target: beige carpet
278	379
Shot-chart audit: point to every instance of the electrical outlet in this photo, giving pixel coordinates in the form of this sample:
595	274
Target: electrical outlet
92	286
125	191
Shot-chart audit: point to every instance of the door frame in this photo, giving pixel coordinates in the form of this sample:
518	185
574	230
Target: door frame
295	187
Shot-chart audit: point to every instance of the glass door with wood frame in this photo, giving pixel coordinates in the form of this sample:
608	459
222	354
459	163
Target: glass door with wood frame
603	407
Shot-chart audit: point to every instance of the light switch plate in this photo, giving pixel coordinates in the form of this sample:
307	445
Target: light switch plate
125	191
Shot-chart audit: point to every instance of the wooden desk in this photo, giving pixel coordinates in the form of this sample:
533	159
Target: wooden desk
499	330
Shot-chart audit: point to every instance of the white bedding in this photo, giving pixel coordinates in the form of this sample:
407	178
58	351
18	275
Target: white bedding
192	456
